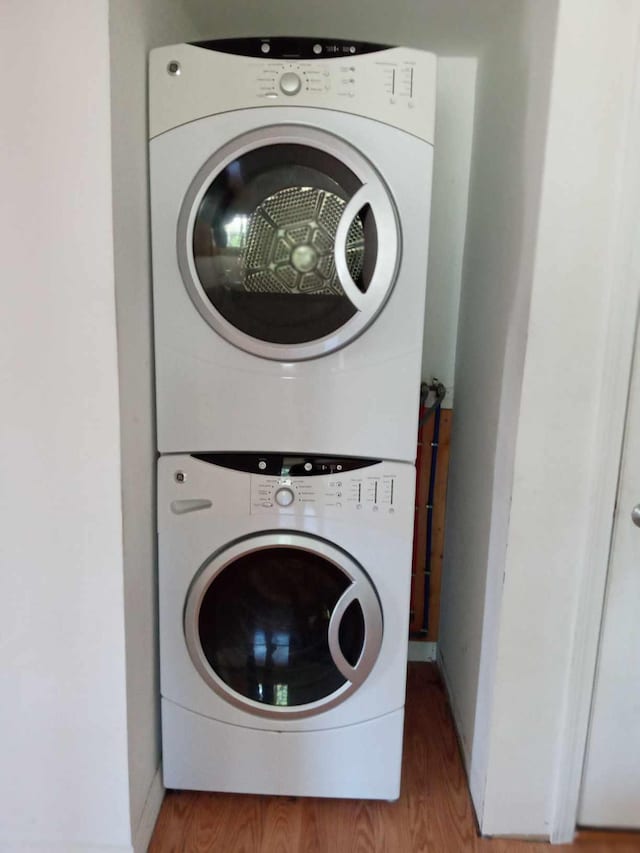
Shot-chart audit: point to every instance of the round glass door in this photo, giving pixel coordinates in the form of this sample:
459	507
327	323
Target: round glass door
283	624
288	243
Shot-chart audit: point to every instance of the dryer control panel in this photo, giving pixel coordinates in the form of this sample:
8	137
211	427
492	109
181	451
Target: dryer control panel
395	81
394	85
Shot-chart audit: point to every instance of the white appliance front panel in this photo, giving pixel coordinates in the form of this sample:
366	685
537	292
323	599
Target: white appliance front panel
380	543
363	761
359	400
395	86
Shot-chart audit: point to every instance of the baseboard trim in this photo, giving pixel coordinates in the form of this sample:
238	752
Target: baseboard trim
475	782
61	847
150	812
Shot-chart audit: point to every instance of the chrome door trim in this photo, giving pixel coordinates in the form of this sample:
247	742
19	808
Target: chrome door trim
367	599
371	194
386	219
362	588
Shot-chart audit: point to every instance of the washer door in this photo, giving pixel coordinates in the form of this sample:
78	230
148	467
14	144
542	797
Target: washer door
288	243
283	624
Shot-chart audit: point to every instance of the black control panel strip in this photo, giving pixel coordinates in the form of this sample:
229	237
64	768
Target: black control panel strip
285	47
285	464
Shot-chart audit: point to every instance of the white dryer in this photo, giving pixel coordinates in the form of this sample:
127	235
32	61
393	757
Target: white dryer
284	602
290	192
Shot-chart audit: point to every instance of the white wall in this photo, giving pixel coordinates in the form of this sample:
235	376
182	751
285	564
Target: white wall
135	27
559	430
455	111
511	114
63	768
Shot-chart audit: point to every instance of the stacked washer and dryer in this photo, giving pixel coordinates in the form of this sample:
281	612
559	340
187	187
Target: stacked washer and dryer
290	190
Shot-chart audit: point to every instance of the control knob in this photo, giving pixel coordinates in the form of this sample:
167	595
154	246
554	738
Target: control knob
290	83
284	496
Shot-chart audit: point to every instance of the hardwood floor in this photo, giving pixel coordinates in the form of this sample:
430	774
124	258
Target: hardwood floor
433	814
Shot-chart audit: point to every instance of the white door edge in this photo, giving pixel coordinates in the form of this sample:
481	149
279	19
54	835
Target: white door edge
614	384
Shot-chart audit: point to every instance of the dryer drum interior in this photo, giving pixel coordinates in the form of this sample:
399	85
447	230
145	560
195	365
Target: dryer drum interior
264	243
283	627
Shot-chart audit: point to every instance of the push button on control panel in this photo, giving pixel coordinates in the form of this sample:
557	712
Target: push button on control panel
290	83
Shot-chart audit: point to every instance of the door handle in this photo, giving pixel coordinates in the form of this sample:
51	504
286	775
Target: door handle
635	515
372	642
353	207
342	664
181	507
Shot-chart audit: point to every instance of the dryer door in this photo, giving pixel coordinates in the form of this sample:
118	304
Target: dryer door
283	624
288	242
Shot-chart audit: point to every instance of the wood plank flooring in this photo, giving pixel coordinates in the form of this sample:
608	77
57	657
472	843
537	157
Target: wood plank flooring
433	814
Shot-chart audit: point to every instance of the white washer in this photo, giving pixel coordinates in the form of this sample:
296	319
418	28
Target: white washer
284	601
290	191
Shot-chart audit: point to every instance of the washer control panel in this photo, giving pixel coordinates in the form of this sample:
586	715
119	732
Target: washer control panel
368	491
279	490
